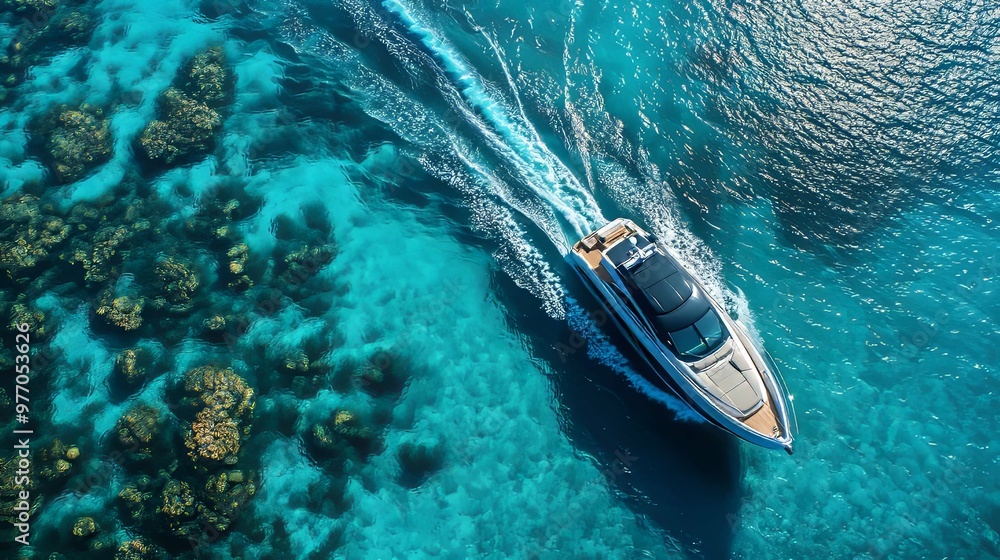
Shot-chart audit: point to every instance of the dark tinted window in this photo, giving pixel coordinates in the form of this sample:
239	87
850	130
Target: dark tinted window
688	342
710	329
704	336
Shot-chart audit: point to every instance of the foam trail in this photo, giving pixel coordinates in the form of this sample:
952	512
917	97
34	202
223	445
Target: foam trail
547	177
443	152
600	348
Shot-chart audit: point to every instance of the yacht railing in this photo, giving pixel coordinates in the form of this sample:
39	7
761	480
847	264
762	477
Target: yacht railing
784	387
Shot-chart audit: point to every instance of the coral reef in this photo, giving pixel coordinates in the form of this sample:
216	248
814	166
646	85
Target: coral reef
347	424
43	23
188	118
187	127
215	323
369	374
137	429
226	494
345	430
226	404
214	435
21	313
237	263
139	549
307	261
122	311
76	25
99	257
179	279
305	387
186	509
32	7
297	361
85	527
220	389
30	232
208	80
133	502
55	460
383	373
177	501
80	141
133	364
9	490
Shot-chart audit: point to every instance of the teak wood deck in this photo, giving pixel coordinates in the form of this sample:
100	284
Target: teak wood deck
592	247
764	420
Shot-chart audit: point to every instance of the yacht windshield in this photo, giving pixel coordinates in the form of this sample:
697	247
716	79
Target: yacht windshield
700	339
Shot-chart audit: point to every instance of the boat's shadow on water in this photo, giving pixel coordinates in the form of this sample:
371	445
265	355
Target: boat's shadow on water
681	476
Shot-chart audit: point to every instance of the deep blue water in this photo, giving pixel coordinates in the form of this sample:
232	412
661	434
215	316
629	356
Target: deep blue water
830	168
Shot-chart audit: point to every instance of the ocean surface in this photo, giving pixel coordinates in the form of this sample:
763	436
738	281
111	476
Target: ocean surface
365	228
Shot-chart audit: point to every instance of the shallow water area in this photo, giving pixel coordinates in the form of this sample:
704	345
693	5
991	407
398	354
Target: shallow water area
296	275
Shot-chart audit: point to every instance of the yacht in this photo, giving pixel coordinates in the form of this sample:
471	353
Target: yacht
692	344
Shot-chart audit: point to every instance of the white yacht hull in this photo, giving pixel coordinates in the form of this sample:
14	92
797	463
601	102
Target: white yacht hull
678	376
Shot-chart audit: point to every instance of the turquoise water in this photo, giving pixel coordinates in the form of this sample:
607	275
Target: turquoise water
830	169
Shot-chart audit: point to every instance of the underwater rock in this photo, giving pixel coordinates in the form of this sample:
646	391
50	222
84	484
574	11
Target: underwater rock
418	461
369	374
187	127
73	453
133	363
307	261
85	527
230	207
80	141
32	6
30	234
139	549
76	25
215	323
347	424
122	311
383	373
179	279
298	361
137	429
51	461
305	387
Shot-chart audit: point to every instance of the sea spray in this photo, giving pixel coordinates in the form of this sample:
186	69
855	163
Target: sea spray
543	172
600	348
